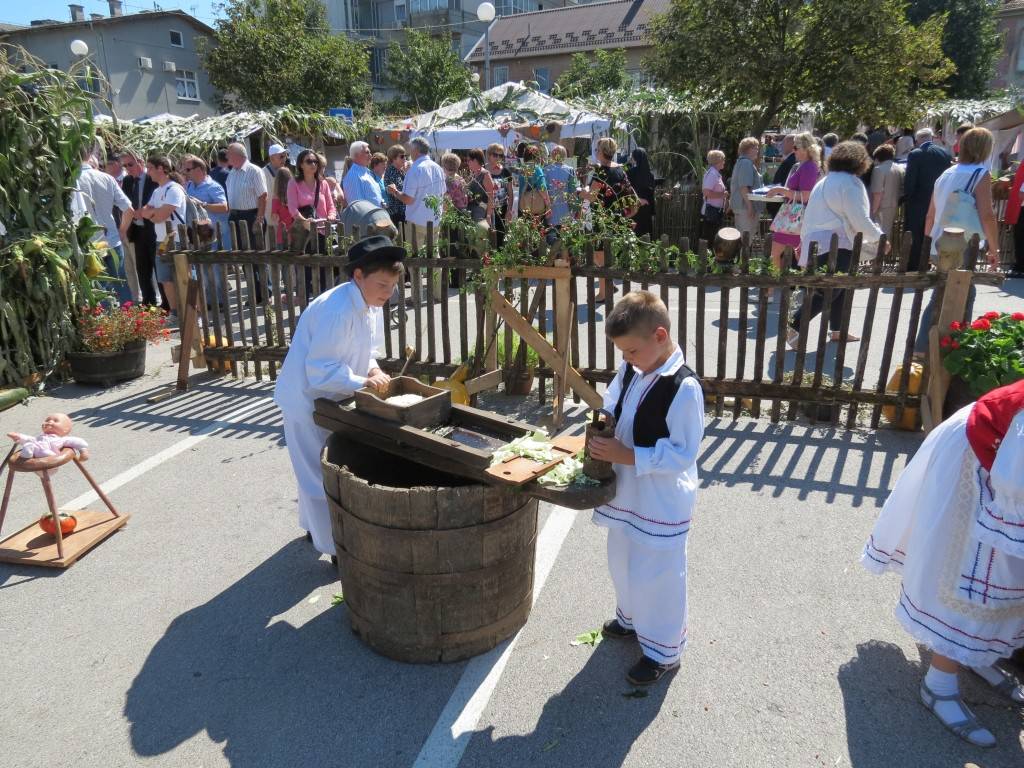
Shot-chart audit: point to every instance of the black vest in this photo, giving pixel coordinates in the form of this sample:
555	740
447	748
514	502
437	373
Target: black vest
650	423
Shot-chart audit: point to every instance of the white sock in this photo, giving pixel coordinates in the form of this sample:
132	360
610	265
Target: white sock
989	674
994	676
946	684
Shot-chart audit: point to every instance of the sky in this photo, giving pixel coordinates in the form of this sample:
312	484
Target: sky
21	12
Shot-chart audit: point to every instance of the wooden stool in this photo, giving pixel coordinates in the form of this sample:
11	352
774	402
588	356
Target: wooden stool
30	546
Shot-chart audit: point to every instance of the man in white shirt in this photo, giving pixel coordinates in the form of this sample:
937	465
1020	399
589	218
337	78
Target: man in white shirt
247	190
425	179
167	210
360	183
99	193
277	157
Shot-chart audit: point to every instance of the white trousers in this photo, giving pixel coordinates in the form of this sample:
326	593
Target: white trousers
305	442
650	593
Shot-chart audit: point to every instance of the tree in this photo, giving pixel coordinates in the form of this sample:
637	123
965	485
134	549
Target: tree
971	40
276	52
426	72
592	74
769	57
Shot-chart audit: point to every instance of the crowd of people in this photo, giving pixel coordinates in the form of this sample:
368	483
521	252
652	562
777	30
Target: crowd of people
143	201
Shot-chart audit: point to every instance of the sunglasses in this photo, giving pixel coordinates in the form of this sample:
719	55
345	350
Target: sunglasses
499	157
310	161
190	168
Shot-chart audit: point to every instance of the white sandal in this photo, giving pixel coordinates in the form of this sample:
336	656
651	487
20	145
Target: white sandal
968	728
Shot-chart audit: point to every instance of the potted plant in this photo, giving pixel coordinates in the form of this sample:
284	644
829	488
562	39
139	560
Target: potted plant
518	379
113	341
982	356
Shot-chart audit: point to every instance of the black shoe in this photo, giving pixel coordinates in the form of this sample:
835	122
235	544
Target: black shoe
613	629
648	671
334	560
309	536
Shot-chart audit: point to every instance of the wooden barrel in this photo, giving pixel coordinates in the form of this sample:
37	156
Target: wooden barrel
434	567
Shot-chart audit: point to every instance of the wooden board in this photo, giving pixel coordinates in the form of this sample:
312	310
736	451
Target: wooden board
521	470
31	546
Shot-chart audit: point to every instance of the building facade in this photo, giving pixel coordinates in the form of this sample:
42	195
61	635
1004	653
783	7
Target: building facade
381	22
539	45
150	59
1010	67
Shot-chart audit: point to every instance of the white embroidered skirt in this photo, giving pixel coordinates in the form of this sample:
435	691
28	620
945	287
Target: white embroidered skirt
960	596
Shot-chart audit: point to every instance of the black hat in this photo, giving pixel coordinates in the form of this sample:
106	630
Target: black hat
373	251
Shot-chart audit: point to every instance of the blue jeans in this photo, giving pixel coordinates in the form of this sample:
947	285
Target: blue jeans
921	343
119	286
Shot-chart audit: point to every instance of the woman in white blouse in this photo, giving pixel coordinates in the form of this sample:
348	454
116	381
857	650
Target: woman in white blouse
838	206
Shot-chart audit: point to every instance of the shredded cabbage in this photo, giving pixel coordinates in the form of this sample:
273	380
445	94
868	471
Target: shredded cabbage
568	472
535	446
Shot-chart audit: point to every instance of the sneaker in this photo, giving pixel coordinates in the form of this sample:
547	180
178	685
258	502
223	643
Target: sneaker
613	629
647	671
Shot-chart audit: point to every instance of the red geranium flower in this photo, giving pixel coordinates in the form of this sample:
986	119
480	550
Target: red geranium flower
127	305
991	315
1017	316
955	344
946	341
981	324
955	326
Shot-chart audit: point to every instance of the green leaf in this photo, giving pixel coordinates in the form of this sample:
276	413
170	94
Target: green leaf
338	599
550	745
591	638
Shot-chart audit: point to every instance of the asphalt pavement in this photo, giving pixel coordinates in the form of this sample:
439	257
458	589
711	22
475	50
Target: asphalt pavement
204	634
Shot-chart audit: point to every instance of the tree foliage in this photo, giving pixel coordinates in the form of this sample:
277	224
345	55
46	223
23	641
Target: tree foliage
278	52
426	72
594	73
971	40
778	57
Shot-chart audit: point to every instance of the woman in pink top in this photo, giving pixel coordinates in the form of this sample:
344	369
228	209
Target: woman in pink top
309	196
798	188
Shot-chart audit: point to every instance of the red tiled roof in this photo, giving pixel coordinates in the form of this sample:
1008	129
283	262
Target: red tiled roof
574	28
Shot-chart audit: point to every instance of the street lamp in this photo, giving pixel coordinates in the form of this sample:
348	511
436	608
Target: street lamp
485	12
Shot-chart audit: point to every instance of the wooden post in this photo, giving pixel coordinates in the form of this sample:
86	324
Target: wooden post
954	304
563	324
181	280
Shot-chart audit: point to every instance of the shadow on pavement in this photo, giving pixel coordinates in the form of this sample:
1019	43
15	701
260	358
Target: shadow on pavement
810	460
589	723
280	695
209	400
887	725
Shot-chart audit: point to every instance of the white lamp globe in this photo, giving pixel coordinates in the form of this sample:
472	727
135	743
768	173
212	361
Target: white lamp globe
476	78
485	12
79	47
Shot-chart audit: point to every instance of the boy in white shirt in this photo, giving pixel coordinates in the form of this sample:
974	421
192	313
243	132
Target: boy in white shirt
659	412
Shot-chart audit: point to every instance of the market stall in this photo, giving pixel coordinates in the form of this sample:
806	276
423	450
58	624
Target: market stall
505	114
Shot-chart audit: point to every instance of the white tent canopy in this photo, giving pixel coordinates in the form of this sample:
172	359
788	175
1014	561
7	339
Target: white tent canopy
493	116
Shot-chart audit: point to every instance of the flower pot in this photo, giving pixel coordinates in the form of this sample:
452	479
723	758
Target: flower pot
957	396
108	368
521	384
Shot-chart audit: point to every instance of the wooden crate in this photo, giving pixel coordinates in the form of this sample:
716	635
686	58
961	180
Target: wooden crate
433	409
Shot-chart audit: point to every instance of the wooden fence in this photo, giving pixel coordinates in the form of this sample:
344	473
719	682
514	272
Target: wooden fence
744	362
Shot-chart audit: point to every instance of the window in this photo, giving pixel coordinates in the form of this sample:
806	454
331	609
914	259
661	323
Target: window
400	14
543	77
188	86
1020	52
423	6
89	81
177	40
500	75
378	64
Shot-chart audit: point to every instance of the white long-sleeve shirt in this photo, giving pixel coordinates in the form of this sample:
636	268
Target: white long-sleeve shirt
838	204
333	349
654	499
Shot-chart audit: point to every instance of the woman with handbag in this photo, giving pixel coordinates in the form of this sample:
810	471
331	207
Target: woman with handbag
838	206
610	189
802	178
309	199
962	199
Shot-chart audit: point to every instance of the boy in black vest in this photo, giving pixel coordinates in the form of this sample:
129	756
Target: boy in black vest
659	413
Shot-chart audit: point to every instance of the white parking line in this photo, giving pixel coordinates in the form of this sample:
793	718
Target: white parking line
232	418
450	736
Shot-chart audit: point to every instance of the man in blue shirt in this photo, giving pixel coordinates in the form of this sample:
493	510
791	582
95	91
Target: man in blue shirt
212	198
360	183
562	187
